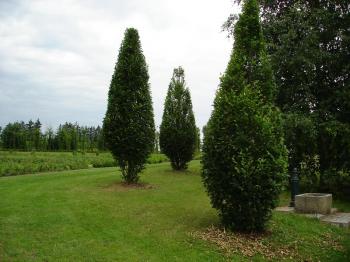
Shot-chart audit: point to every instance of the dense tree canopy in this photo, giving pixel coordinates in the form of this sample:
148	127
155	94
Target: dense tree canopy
178	132
244	156
309	45
128	124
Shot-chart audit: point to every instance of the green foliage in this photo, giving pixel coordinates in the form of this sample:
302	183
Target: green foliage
334	147
128	124
178	132
198	140
301	137
67	137
157	158
337	181
249	63
244	156
310	173
20	163
309	45
334	152
244	159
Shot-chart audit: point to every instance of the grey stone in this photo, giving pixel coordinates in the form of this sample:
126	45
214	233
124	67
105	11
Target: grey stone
285	209
338	219
334	210
313	203
315	215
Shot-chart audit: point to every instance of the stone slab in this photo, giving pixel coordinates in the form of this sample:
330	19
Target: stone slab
288	209
285	209
338	219
318	216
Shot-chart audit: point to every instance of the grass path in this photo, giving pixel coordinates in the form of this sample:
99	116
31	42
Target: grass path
85	215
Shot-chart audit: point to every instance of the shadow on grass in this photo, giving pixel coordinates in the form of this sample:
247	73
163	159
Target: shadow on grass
121	186
172	172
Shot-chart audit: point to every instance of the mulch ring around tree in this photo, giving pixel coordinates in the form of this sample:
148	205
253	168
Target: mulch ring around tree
250	244
253	244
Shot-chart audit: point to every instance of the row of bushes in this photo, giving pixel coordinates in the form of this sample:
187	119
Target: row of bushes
19	163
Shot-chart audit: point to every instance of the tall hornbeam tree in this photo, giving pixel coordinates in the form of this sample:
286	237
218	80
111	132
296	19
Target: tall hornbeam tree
129	123
244	156
178	131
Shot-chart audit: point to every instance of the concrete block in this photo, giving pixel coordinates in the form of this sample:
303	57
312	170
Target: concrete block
313	203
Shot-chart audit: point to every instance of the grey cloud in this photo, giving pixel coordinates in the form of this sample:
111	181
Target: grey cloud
57	57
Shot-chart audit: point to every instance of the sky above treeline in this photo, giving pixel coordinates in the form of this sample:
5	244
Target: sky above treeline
57	57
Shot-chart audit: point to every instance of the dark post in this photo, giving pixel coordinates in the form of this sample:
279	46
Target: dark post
294	189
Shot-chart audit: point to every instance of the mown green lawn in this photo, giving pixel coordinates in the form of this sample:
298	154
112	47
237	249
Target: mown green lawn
85	215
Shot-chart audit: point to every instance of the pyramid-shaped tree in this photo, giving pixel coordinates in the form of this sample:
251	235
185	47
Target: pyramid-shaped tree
244	156
129	124
178	132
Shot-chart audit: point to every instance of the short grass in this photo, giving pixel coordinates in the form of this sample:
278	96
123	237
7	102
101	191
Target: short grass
20	163
85	215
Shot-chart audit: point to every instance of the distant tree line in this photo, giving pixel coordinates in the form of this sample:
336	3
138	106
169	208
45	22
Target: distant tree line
67	137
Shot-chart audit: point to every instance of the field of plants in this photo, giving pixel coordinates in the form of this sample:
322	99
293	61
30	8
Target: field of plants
19	163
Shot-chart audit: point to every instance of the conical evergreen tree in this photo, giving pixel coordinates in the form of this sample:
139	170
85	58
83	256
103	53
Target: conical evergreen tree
244	156
249	64
129	123
178	131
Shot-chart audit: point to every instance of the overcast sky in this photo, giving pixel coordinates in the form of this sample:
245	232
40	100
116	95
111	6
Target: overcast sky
57	57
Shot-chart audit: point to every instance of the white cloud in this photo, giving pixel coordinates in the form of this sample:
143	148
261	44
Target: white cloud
57	57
